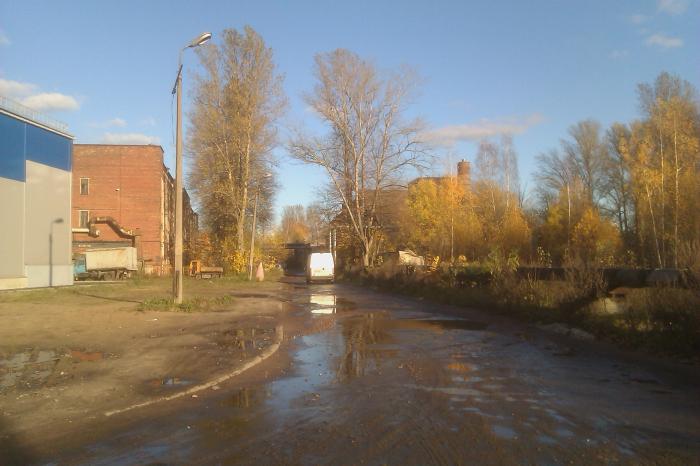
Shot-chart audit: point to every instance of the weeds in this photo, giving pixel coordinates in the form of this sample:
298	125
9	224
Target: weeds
189	305
663	320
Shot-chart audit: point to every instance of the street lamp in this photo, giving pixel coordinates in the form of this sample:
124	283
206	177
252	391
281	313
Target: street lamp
252	231
57	221
177	272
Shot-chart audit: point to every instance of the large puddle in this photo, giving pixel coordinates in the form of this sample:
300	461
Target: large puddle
453	362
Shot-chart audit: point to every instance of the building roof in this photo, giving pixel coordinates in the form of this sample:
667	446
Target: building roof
22	112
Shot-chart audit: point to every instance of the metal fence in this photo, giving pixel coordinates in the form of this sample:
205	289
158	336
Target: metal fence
31	114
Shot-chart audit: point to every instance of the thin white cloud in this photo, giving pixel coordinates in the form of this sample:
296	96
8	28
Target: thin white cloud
638	19
15	89
129	138
662	40
450	135
4	41
618	54
673	7
118	122
113	123
148	121
48	101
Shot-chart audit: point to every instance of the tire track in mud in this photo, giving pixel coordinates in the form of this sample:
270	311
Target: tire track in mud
272	349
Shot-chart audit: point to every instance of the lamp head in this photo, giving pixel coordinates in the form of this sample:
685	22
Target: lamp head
201	39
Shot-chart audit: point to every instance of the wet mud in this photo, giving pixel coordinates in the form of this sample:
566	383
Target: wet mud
379	380
32	368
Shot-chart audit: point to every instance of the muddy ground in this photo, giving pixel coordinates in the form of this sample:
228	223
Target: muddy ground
361	377
70	355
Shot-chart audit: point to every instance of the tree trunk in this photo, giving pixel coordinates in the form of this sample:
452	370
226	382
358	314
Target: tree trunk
663	203
676	172
653	224
245	178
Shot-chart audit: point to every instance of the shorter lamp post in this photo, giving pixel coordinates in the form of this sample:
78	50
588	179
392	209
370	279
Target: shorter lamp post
57	221
252	231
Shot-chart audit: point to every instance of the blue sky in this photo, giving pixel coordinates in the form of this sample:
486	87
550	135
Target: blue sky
533	68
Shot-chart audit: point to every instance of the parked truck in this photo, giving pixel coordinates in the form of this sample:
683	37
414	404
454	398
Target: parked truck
105	264
197	270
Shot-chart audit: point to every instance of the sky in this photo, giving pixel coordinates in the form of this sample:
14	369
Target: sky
530	68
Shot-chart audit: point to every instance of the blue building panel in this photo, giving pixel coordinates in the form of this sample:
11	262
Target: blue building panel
48	148
12	148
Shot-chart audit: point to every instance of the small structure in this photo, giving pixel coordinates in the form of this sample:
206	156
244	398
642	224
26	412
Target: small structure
35	182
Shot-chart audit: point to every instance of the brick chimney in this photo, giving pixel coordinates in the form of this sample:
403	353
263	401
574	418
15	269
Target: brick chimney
463	169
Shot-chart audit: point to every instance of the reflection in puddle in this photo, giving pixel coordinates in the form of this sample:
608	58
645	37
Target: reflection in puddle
169	382
246	398
322	303
453	391
322	299
546	440
461	367
253	338
562	432
456	324
27	369
329	304
504	432
360	334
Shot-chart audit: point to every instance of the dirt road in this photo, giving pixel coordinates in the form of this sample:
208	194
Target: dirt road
369	378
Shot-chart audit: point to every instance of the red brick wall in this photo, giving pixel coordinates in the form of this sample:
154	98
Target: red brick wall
125	183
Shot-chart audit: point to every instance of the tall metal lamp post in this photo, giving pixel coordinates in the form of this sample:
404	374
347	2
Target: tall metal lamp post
252	231
177	272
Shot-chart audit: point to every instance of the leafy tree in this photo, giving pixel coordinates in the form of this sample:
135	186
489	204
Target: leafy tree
237	100
595	239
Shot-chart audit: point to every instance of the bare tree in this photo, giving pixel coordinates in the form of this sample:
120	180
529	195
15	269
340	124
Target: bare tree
509	164
586	154
293	224
368	145
619	200
236	102
497	169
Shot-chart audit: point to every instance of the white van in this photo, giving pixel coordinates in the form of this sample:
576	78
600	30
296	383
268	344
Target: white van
320	267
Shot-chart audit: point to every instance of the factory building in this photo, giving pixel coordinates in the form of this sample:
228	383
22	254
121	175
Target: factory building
131	185
35	199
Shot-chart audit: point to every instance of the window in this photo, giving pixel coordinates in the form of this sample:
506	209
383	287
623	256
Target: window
84	186
84	218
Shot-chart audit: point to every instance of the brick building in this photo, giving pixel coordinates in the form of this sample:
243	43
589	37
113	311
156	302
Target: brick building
131	184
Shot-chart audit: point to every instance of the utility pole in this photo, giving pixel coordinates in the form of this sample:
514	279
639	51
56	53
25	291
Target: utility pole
252	230
177	266
252	236
177	271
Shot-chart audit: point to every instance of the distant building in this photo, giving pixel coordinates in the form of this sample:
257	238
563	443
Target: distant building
35	181
131	184
463	175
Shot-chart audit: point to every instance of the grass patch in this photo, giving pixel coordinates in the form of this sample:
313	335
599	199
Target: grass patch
659	320
196	304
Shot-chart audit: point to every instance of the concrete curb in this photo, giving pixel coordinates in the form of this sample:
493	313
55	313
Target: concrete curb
279	333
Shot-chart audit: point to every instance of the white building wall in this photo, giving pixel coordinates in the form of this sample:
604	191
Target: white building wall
12	236
47	233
